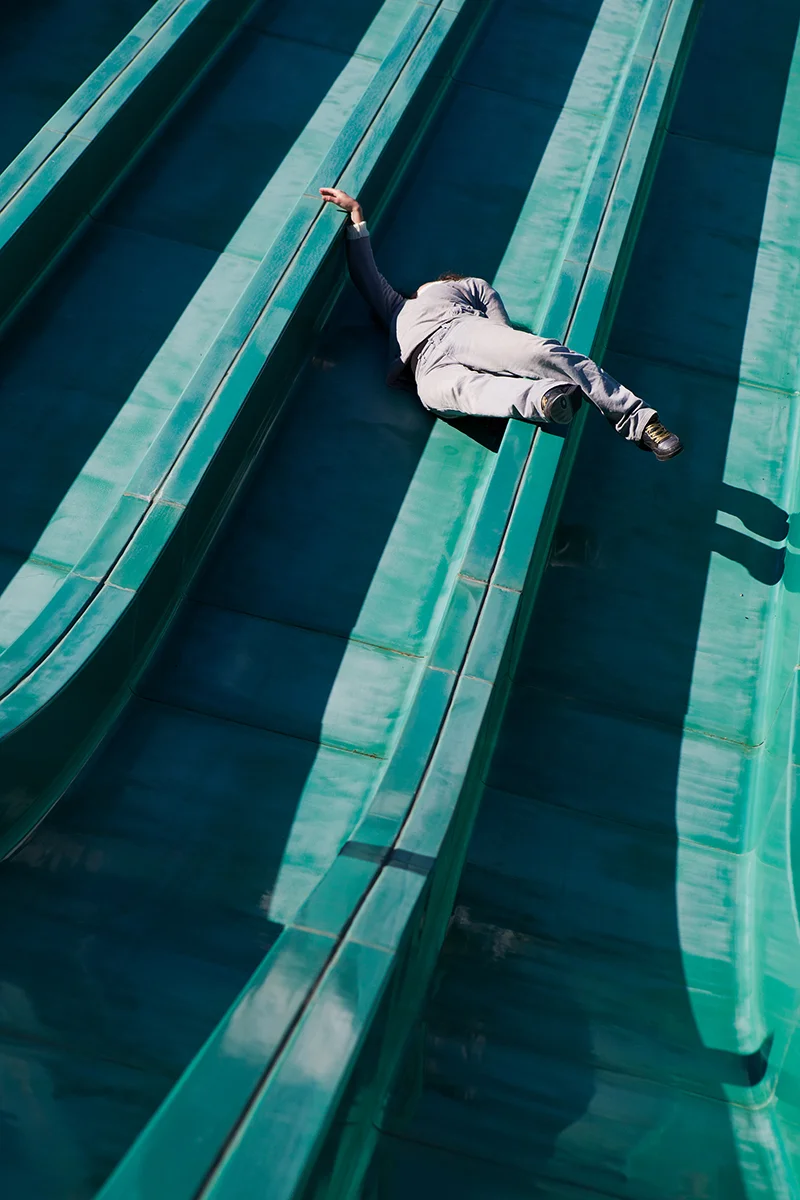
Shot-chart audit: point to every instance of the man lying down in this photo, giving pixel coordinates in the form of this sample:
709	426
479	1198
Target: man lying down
454	335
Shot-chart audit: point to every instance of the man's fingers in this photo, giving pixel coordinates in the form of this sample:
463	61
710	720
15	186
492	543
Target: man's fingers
337	196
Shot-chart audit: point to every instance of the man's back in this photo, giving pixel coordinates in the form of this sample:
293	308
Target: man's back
437	303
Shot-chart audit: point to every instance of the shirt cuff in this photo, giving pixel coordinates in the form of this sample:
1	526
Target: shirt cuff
358	230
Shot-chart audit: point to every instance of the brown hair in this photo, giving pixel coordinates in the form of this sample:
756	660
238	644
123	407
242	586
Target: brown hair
450	277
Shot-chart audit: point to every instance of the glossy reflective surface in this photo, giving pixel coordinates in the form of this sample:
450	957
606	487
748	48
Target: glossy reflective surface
94	1031
47	49
615	1006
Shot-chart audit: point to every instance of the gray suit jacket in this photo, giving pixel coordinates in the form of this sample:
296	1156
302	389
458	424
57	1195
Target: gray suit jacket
411	322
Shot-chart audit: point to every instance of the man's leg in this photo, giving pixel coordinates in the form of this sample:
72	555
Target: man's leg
483	345
453	390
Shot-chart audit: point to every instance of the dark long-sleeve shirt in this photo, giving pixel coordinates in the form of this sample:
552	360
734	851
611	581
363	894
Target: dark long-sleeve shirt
411	322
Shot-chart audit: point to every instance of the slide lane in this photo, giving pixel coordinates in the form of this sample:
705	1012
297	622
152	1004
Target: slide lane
97	365
47	49
137	911
126	317
151	283
615	1006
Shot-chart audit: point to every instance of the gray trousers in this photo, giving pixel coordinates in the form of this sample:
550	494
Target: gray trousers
472	366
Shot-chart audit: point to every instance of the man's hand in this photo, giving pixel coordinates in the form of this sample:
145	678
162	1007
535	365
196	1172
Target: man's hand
342	200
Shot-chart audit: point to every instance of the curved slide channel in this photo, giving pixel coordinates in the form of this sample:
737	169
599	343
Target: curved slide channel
89	373
47	49
137	911
615	1005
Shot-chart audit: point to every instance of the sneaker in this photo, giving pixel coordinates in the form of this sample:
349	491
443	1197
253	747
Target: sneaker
560	404
658	439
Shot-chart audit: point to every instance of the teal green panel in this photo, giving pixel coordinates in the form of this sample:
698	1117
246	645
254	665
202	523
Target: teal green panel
328	475
515	38
416	35
39	632
492	634
274	748
123	54
405	769
495	512
168	917
330	906
516	551
178	197
332	801
293	680
72	653
709	108
401	1168
146	544
701	793
68	372
43	60
358	27
113	537
713	305
224	1076
31	590
282	1127
387	912
457	626
432	814
724	569
90	1095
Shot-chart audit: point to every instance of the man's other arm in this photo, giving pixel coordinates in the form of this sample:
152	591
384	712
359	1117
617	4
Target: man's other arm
376	290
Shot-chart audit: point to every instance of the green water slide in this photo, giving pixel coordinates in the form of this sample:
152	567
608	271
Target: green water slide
615	1008
48	48
270	636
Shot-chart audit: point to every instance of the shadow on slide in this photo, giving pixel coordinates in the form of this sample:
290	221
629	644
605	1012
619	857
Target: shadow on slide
152	891
559	1049
78	350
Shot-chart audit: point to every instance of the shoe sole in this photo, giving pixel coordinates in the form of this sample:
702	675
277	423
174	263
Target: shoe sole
562	409
667	457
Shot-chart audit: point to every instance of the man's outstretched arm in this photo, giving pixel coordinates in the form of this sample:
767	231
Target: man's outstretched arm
365	275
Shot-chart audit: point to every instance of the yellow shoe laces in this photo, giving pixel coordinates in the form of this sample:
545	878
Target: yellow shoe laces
657	432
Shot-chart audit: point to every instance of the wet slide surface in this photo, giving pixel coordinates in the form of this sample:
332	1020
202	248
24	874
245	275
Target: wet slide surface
575	1042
